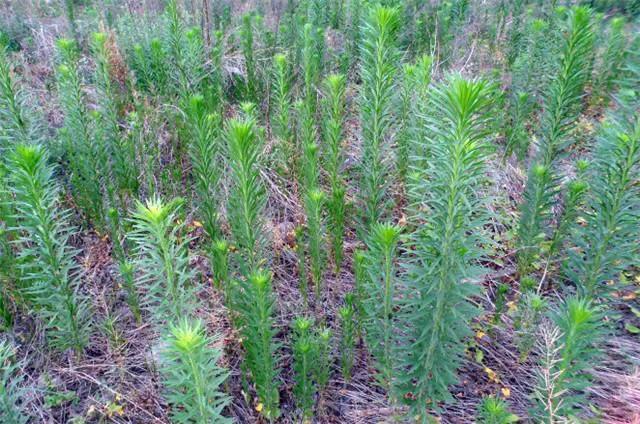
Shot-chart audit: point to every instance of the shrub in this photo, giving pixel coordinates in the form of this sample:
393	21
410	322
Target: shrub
377	70
119	149
256	308
203	151
612	60
247	197
493	410
161	259
14	114
607	243
125	267
281	110
247	47
304	355
566	360
347	338
11	393
527	320
314	201
192	375
334	158
49	272
88	157
562	105
437	314
379	298
322	369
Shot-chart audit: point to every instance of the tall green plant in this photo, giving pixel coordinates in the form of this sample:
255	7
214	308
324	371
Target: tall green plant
334	158
161	259
256	308
567	360
49	273
378	68
248	51
379	298
247	198
192	375
10	391
281	110
88	159
611	61
304	362
607	243
347	338
120	149
14	120
314	201
205	169
446	246
562	107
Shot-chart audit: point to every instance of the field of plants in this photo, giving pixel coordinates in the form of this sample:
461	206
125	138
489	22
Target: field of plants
319	211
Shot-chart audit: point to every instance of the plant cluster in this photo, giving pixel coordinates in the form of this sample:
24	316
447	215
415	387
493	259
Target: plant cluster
290	205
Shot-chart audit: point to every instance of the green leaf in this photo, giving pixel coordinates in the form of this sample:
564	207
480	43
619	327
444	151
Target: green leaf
631	328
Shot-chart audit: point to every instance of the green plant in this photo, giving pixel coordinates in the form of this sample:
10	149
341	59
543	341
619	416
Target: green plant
216	77
377	70
10	391
256	308
611	61
247	47
567	359
205	169
334	158
445	248
311	65
14	117
220	262
413	100
192	376
304	355
119	149
347	338
562	105
175	41
88	159
309	173
322	368
127	270
516	133
248	195
69	9
161	259
526	321
15	128
573	203
281	109
354	33
125	267
49	272
302	263
493	410
194	59
314	201
379	298
359	281
607	242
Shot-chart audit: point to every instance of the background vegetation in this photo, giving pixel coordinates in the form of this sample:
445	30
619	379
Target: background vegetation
319	211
